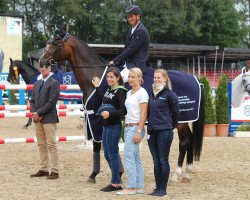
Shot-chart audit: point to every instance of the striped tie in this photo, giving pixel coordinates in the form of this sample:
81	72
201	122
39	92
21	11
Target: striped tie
41	86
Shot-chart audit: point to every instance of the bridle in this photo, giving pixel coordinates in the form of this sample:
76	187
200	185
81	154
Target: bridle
16	71
243	82
64	39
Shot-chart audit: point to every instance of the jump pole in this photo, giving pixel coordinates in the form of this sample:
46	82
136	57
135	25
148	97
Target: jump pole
33	140
28	114
24	107
30	87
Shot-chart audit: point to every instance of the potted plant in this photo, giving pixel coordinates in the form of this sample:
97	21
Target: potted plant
243	130
210	126
221	105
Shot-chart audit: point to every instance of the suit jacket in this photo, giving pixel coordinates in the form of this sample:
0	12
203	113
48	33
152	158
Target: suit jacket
136	49
44	102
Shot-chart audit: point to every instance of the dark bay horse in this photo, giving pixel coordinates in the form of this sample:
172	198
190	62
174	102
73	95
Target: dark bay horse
30	74
86	64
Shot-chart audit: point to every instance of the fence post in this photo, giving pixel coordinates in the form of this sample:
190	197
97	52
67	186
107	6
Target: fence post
1	97
21	92
21	97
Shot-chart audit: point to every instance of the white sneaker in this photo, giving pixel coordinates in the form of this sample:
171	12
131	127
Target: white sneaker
126	192
139	190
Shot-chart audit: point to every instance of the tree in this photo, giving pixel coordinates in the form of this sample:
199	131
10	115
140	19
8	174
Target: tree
221	101
108	23
244	10
220	24
4	6
208	22
200	22
209	107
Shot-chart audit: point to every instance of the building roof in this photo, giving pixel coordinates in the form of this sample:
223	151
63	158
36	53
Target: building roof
12	15
170	51
181	52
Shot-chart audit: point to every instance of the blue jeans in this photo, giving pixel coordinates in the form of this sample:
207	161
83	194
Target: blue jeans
110	139
159	144
133	163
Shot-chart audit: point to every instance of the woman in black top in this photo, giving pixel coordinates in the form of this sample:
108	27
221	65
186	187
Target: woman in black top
112	111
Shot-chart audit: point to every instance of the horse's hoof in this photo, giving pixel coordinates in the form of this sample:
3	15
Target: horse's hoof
185	180
174	179
189	168
172	183
91	180
25	127
79	126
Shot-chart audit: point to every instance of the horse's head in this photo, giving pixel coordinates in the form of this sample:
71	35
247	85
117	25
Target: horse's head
13	72
58	50
246	80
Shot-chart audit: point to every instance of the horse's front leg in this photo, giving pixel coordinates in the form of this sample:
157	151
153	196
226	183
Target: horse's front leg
28	123
96	162
97	165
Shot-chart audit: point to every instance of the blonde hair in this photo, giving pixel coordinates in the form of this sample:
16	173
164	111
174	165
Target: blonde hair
164	73
138	73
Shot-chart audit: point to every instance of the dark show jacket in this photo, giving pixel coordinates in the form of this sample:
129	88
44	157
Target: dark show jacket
163	110
44	102
135	53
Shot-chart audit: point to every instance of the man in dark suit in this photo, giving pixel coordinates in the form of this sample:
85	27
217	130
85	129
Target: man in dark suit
136	49
44	97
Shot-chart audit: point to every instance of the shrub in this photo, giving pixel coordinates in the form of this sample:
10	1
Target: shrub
221	101
209	107
244	127
12	98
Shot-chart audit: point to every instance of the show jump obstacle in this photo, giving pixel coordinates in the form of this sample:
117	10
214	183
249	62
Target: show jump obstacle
86	143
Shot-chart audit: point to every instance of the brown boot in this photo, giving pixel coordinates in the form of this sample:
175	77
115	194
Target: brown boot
40	173
53	175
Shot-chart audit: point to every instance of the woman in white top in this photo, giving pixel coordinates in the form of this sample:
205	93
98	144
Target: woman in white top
136	105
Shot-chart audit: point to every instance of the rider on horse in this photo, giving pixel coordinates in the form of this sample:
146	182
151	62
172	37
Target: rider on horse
136	51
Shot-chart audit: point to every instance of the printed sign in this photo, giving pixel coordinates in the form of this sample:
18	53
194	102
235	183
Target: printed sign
3	79
14	26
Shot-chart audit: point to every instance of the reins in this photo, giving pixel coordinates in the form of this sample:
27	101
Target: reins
96	66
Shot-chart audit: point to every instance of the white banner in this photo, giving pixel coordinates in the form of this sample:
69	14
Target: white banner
242	113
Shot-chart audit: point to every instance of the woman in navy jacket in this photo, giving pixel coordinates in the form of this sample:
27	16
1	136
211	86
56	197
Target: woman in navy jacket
163	115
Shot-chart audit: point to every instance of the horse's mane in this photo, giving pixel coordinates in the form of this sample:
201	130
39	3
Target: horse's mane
237	78
90	50
21	61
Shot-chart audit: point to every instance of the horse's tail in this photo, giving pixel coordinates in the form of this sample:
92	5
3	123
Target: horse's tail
198	128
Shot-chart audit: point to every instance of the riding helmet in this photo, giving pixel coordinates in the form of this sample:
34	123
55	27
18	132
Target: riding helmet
133	9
